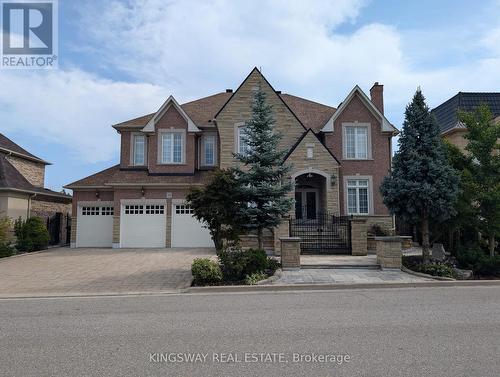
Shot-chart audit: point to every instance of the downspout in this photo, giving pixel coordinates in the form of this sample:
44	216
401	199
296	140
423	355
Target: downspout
28	215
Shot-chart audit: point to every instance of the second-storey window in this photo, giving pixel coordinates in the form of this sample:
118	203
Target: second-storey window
356	142
243	147
357	196
172	148
139	150
208	150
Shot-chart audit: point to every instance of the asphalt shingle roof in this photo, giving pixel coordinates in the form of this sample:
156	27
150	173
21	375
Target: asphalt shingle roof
7	144
446	113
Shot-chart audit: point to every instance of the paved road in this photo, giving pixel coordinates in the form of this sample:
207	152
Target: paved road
65	271
452	331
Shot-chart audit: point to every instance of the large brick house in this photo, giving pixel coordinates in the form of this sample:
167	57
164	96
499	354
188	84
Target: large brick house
22	192
339	158
447	114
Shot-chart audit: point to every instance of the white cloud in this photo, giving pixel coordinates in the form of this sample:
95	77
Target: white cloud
191	49
73	108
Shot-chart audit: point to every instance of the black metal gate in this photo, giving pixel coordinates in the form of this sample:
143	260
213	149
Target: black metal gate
325	234
54	228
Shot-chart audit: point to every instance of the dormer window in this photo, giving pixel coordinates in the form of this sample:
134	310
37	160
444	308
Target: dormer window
172	147
138	150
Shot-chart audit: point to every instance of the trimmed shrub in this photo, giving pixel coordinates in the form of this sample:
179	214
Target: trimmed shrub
488	266
206	272
32	235
237	264
4	230
469	256
435	269
6	250
255	278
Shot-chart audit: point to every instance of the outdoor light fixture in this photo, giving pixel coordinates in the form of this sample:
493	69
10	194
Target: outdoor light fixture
309	176
97	194
142	190
333	179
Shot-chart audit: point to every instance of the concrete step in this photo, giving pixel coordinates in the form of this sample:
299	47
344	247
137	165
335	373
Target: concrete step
341	266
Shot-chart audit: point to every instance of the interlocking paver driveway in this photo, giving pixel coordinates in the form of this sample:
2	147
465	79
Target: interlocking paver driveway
67	271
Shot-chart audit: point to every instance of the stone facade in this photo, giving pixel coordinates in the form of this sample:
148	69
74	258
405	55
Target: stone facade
389	254
359	237
322	163
290	253
238	110
33	171
456	137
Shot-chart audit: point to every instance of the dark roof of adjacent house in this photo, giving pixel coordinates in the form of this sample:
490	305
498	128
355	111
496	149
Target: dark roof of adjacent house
446	113
115	176
202	111
12	179
7	145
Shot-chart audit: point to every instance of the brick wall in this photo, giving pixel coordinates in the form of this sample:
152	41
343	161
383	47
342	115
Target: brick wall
377	167
34	172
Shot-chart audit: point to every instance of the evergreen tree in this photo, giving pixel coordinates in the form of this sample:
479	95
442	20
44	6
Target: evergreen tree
483	146
422	186
263	178
217	205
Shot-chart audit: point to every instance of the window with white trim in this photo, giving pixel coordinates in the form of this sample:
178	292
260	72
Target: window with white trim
183	209
107	211
90	211
356	142
172	148
134	209
243	147
139	150
357	196
208	150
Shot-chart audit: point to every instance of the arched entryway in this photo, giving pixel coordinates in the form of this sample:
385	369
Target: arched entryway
310	195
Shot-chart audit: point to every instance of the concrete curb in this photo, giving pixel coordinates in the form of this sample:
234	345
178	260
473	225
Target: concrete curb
422	275
322	287
261	288
277	274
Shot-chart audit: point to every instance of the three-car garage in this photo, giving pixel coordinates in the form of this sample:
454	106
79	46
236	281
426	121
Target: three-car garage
142	224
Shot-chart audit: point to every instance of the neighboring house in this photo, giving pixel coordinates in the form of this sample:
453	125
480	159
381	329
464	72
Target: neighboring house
339	158
447	114
22	192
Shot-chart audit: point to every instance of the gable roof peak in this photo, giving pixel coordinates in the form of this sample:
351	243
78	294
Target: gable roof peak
386	125
171	101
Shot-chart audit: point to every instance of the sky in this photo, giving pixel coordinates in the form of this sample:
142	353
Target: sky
122	59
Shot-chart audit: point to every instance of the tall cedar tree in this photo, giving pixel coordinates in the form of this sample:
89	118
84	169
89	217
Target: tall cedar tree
263	179
422	186
483	146
217	205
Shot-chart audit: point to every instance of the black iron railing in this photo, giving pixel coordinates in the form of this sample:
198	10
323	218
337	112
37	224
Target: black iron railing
324	234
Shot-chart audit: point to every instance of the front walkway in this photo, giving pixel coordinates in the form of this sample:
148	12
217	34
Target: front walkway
84	271
338	260
346	276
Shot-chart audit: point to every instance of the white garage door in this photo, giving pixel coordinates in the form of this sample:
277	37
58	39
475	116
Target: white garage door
186	230
143	225
94	227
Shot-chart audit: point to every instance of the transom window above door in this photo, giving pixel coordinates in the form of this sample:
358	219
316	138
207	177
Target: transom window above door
357	196
171	148
356	142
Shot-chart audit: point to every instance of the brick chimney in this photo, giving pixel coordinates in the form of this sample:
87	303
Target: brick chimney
377	96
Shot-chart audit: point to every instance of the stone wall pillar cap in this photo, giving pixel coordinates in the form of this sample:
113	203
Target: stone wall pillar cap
389	238
289	238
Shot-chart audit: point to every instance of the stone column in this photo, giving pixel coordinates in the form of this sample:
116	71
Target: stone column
290	253
389	254
359	237
281	231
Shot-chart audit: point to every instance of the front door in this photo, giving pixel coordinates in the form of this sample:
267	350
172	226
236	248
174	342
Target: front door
306	201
